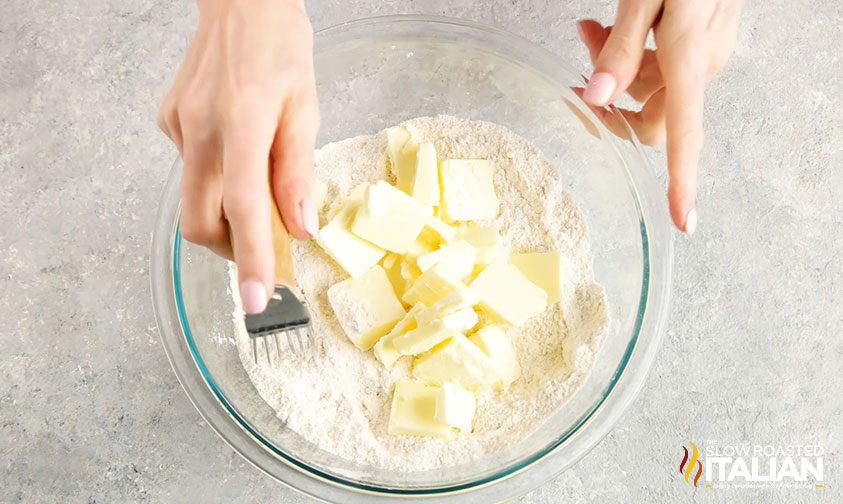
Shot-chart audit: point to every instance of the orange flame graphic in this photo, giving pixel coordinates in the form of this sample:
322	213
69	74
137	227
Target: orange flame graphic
686	470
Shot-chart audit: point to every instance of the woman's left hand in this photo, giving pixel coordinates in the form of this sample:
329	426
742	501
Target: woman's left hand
693	40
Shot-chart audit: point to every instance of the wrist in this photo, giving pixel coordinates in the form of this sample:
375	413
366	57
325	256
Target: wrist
203	5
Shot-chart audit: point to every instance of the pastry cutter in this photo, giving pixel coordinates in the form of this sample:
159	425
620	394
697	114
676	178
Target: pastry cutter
286	316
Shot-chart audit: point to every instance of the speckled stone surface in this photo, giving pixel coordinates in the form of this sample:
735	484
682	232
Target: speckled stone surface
91	412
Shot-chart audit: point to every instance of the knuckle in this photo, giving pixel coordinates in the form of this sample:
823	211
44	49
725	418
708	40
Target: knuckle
653	137
163	116
623	47
196	230
192	110
240	208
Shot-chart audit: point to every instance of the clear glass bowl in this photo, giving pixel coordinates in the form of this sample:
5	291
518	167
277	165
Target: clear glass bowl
378	72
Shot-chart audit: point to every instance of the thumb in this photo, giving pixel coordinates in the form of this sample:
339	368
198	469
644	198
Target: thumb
619	60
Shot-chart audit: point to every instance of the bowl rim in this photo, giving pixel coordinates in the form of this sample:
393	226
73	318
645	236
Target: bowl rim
218	412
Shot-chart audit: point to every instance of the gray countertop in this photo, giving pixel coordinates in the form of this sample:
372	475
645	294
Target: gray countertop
90	410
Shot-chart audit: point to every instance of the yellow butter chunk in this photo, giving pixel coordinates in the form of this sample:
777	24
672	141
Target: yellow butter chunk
426	176
432	285
366	307
506	294
457	257
468	190
446	232
354	254
544	269
402	143
455	301
485	240
497	345
390	218
462	320
413	411
422	339
393	265
425	337
426	242
411	273
455	406
385	349
457	360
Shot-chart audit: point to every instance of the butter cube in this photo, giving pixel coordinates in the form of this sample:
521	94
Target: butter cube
354	254
410	273
389	218
446	232
426	176
393	264
425	337
432	285
385	349
457	257
468	190
485	240
426	242
506	294
402	144
497	345
453	302
413	411
544	269
346	212
455	406
462	320
457	360
365	307
422	339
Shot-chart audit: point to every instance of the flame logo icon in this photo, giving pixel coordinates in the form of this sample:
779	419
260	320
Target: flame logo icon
687	469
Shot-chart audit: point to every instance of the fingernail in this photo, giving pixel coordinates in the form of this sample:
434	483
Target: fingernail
599	89
253	296
691	221
309	219
580	31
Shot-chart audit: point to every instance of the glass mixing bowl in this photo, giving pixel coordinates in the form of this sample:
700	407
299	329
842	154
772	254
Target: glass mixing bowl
376	73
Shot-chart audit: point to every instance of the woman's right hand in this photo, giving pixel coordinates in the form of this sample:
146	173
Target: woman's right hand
244	97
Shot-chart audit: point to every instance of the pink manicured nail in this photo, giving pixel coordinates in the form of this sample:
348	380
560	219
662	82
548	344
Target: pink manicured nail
691	221
599	89
253	295
309	219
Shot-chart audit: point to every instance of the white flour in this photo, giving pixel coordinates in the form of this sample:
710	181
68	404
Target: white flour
339	398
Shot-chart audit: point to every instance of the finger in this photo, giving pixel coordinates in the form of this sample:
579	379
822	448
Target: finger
246	203
168	121
594	36
619	60
684	125
647	81
292	175
171	118
202	220
160	115
608	117
649	122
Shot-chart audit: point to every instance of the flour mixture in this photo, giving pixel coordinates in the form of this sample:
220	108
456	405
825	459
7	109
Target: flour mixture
338	397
